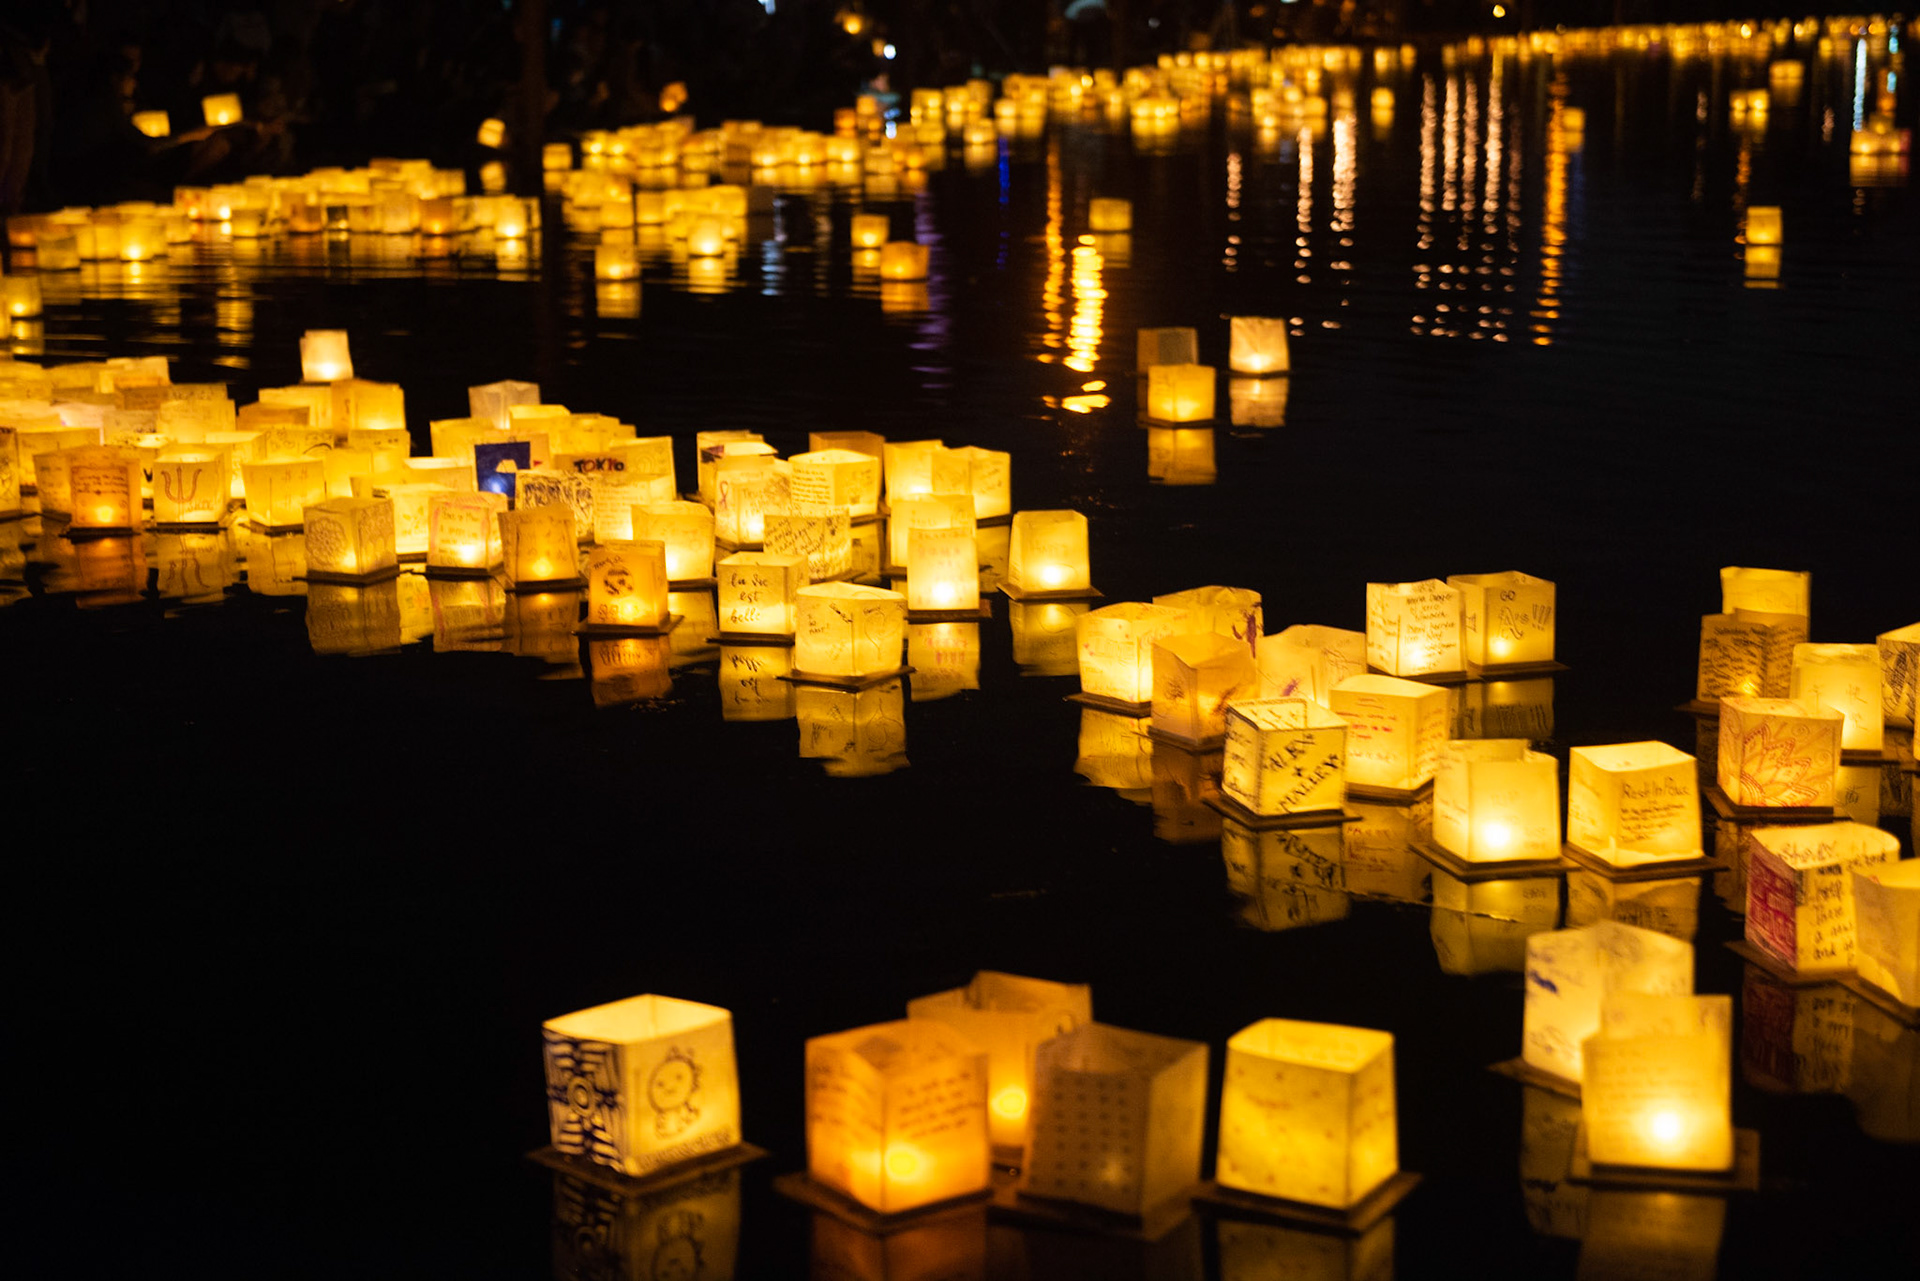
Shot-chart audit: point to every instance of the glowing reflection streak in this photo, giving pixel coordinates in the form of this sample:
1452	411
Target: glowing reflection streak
1050	290
1450	197
1089	305
1303	216
1553	219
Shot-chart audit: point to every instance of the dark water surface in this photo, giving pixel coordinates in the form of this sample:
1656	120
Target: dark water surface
284	926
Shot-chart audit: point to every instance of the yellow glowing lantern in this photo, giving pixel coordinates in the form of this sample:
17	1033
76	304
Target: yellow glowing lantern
492	133
1766	591
926	511
316	400
825	481
709	447
279	490
1633	803
1008	1016
907	466
984	473
537	487
154	124
707	237
1195	676
824	542
1108	213
1844	679
1180	346
1776	752
537	545
492	400
1570	972
642	1085
1284	756
616	261
846	630
1048	553
897	1114
1117	1119
1658	1083
1307	661
746	487
1745	654
463	530
1414	629
1115	647
20	296
903	260
1257	345
350	538
221	109
1495	800
1886	909
1506	618
757	591
191	488
1180	393
869	231
1233	612
943	571
1395	731
1763	225
410	510
686	530
1800	905
627	585
1900	675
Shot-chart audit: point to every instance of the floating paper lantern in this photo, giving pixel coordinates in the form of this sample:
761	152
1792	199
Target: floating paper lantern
280	489
1307	661
746	488
350	537
20	296
1115	647
492	400
1117	1119
1284	756
463	530
1414	629
1900	674
1257	345
1766	591
1048	552
710	447
842	629
686	530
1658	1085
984	473
1168	347
1180	393
537	545
1008	1016
1800	906
903	260
627	584
942	570
642	1085
868	231
221	109
1506	618
317	400
1395	730
827	481
616	261
1886	908
1195	676
897	1114
1633	803
757	591
1496	800
824	542
1776	752
1746	654
926	511
1233	612
1307	1112
154	124
1569	973
1106	213
324	357
1844	679
907	466
1764	225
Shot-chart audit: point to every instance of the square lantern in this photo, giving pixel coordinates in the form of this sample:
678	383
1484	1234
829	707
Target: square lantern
1307	1112
642	1085
907	467
350	538
1658	1085
1284	756
463	530
1233	612
191	487
1844	679
1180	393
1167	347
627	585
1048	553
868	231
1746	654
1765	591
324	357
1900	674
943	571
1395	730
492	400
1195	676
1495	799
1763	225
1257	345
281	489
540	487
103	489
1307	661
1800	908
410	514
1414	629
903	260
1116	649
897	1114
616	260
1569	973
830	481
317	400
1506	618
1778	753
686	530
984	473
221	109
757	591
1109	213
746	487
846	630
1886	910
1633	803
1117	1119
825	543
1009	1017
537	546
925	511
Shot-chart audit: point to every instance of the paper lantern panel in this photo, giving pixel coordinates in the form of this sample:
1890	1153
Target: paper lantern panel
1900	674
1658	1086
1414	629
757	590
1195	676
943	572
842	629
1800	908
1115	647
324	357
1180	393
191	488
537	545
103	488
627	584
350	537
463	530
1569	973
1177	346
1008	1016
1844	679
1632	803
1257	345
1747	655
1048	552
1766	591
1506	618
835	481
280	490
1233	612
1395	730
1284	756
1496	799
686	530
1307	661
1778	753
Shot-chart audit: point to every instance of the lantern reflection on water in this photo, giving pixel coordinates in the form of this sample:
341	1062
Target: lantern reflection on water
853	733
1181	455
1482	927
352	618
632	669
1008	1016
1107	213
1569	973
1257	402
689	1228
1285	878
1180	393
1045	636
749	683
1800	905
1669	1235
1115	752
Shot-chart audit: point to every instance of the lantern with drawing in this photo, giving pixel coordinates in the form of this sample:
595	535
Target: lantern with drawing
907	466
926	511
1395	730
1745	654
190	487
1886	910
537	546
1506	619
1048	553
1800	905
1284	756
1658	1086
984	473
1257	345
324	357
463	530
350	538
824	542
1496	800
1844	679
1414	629
1569	973
627	585
1766	591
280	489
943	573
1195	676
757	592
1115	647
103	489
1307	661
845	630
1633	803
1180	393
1233	612
829	481
1900	674
686	530
1778	753
1008	1016
746	488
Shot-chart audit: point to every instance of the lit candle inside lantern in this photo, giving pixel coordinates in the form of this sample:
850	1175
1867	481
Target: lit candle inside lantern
351	537
1009	1016
943	571
1414	629
1495	800
221	109
686	530
616	261
1506	618
1658	1085
20	296
1180	393
1764	225
1048	552
537	544
868	231
1747	655
627	584
756	591
1257	345
154	124
463	530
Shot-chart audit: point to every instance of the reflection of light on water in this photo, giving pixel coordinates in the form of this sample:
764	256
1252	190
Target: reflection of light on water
1553	219
1089	302
1056	256
1304	215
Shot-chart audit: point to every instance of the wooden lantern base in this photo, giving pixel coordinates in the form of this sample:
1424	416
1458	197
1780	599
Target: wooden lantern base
93	533
182	526
1392	795
1742	1176
1663	870
1724	806
765	639
810	1192
690	584
546	585
1461	677
1353	1220
614	630
853	684
605	1176
984	610
1147	422
1017	1208
1520	1070
1278	822
1870	756
1473	873
1112	706
1702	707
460	572
1786	974
1028	595
1514	671
1211	743
350	580
261	527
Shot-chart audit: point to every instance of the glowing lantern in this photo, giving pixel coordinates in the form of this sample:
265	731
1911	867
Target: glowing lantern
1307	661
1117	1119
1763	225
869	231
824	542
1180	393
154	124
686	530
746	488
1765	591
1886	909
20	296
1746	654
757	591
350	538
537	545
943	573
627	585
463	530
1569	974
1844	679
1506	618
1658	1084
642	1085
897	1114
1800	906
1900	674
1496	800
280	489
190	488
492	400
324	357
1233	612
1009	1017
1115	647
1395	731
1168	347
540	486
1105	213
1633	803
1776	752
492	133
1195	676
827	481
846	630
1414	629
221	109
1257	345
317	400
616	261
926	511
984	473
907	466
903	260
1284	756
1048	553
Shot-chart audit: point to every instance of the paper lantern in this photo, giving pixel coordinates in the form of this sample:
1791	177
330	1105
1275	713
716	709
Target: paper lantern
1008	1016
1414	629
1168	347
642	1085
280	489
463	530
1777	753
1505	618
1232	612
942	571
828	481
757	591
907	466
542	486
616	261
1764	225
537	545
1115	647
1800	907
1766	591
1569	973
318	401
1195	676
1395	730
1844	679
903	260
1284	756
1257	345
154	124
221	109
746	488
1747	655
1658	1087
350	537
926	511
1886	909
1900	675
324	357
1117	1119
491	401
1633	803
20	296
825	543
686	530
984	473
627	584
897	1114
1180	393
1105	213
1496	800
1048	553
846	630
1307	661
868	231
